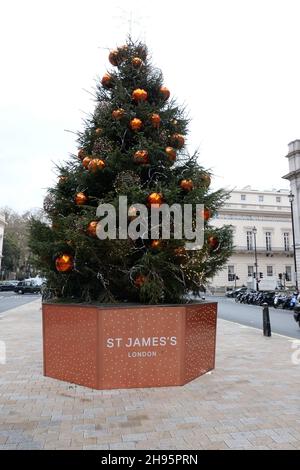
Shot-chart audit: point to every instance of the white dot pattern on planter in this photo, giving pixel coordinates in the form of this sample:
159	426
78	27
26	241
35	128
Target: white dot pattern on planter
200	339
70	343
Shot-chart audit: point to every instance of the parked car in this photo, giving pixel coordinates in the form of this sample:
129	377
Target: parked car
229	291
235	292
8	285
27	287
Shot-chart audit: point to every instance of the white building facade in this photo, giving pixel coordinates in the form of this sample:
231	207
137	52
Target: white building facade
293	176
260	219
2	225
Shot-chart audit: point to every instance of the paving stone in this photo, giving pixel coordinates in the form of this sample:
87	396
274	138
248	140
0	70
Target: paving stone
218	445
96	447
134	437
29	446
282	446
83	427
122	446
8	446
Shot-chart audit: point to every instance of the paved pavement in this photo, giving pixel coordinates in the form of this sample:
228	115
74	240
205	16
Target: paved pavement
250	401
282	321
10	300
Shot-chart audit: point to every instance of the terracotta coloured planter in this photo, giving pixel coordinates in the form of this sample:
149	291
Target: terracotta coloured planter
123	346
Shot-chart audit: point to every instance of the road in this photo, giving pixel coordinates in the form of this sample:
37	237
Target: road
9	300
282	321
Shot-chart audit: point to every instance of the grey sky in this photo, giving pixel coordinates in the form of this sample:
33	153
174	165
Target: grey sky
233	63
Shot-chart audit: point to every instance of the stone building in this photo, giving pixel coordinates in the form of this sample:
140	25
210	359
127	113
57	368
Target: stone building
293	176
261	218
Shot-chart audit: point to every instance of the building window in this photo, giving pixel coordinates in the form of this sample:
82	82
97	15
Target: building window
286	241
269	270
260	199
249	240
288	273
278	199
250	271
268	241
230	273
243	197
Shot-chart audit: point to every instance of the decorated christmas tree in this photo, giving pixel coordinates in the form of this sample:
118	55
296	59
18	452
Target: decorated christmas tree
133	145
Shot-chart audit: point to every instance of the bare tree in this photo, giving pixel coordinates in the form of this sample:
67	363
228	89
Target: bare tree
17	257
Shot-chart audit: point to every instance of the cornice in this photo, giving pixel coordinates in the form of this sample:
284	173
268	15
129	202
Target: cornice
292	175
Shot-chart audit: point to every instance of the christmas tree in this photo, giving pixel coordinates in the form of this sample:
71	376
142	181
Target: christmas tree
133	145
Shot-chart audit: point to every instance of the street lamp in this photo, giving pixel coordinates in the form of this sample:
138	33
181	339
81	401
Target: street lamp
254	231
291	199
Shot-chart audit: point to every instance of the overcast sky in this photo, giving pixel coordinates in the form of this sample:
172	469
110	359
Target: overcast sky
234	64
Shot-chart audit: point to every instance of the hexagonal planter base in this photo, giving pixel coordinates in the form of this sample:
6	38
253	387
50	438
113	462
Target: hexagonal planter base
105	347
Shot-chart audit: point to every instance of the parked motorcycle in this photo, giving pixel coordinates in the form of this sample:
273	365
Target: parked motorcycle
297	312
267	298
255	298
282	301
272	298
293	301
277	300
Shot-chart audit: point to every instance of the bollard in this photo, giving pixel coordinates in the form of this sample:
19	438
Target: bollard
266	320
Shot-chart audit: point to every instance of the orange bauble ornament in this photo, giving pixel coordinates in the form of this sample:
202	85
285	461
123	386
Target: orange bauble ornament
118	113
106	80
180	251
136	124
92	228
86	161
96	164
155	199
155	120
64	263
82	153
187	185
165	92
177	140
139	95
205	179
141	157
81	199
139	280
213	242
155	244
98	131
114	57
206	214
123	49
136	62
171	153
